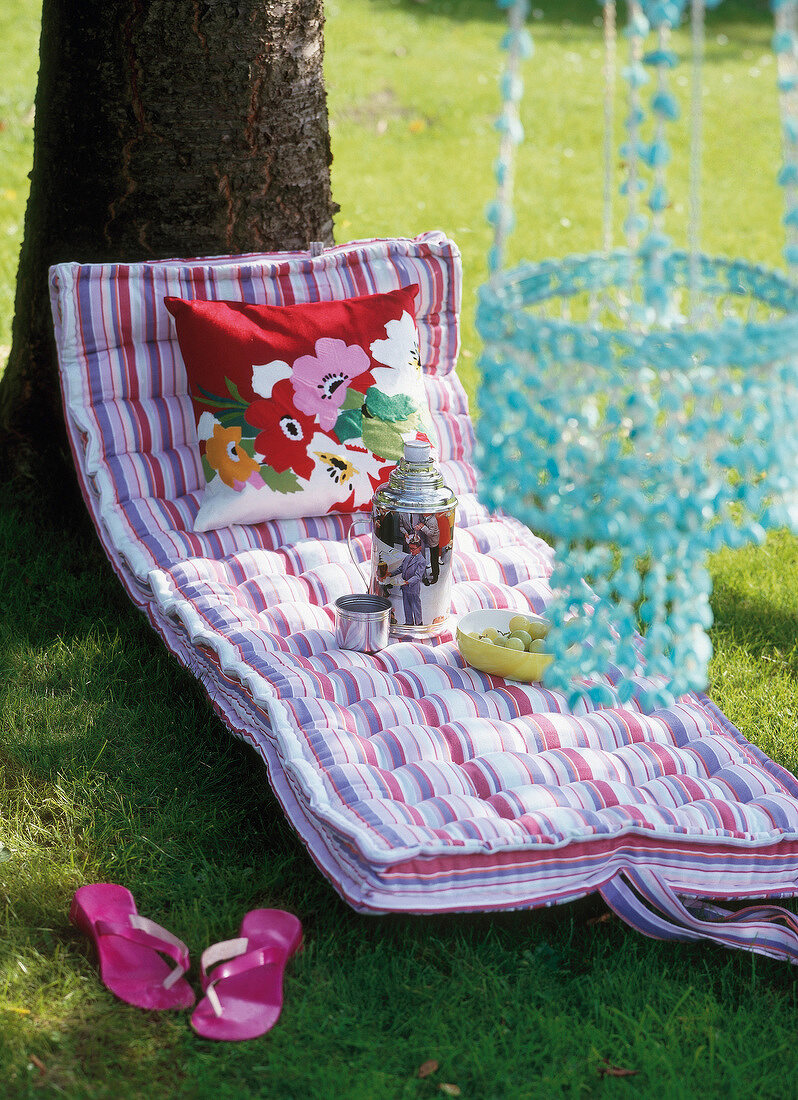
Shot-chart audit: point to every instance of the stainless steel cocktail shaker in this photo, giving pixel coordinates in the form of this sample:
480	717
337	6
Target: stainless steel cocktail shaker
413	517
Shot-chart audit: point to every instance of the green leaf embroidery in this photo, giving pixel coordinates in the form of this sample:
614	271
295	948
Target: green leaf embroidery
235	418
235	402
384	437
247	443
384	407
285	482
232	389
353	400
213	400
208	470
349	425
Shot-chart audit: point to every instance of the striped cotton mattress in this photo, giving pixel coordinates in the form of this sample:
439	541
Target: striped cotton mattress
417	783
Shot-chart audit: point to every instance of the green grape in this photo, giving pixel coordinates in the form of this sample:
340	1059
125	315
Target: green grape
537	645
522	636
519	622
489	634
514	644
537	630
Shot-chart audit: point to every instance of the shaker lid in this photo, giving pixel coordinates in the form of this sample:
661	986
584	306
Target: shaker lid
415	483
417	450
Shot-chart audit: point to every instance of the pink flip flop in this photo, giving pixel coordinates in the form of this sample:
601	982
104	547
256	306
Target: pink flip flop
128	947
244	997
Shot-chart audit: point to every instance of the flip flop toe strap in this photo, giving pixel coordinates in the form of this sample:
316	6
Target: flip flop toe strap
147	933
242	960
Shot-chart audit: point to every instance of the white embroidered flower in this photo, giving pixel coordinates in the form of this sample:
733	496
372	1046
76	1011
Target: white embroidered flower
205	426
265	375
399	353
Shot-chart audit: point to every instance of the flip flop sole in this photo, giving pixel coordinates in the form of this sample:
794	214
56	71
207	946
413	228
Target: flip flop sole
133	972
252	1001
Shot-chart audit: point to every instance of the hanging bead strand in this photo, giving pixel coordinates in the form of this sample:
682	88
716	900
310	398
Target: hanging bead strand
610	73
785	46
636	77
697	16
599	301
518	44
664	109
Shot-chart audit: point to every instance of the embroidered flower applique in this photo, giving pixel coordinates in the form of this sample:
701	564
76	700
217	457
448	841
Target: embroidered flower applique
340	470
400	354
225	455
285	431
321	381
357	472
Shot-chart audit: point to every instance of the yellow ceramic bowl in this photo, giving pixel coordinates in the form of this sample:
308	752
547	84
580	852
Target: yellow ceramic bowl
487	657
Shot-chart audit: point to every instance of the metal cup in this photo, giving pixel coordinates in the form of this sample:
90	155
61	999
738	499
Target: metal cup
362	622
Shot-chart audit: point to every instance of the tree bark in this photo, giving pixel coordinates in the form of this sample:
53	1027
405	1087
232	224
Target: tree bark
163	128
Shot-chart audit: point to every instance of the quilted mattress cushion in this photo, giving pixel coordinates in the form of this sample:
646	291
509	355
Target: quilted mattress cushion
436	786
416	782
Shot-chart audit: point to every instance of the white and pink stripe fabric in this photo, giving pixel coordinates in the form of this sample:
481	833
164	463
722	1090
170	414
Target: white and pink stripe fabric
416	782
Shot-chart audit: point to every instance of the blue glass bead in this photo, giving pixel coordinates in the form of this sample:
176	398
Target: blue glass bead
634	149
635	75
664	14
510	126
664	58
520	42
601	695
654	242
664	104
501	169
629	186
493	212
658	199
782	42
638	26
635	223
511	86
494	259
648	701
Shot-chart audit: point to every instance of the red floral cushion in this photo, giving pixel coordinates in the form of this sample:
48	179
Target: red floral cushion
300	409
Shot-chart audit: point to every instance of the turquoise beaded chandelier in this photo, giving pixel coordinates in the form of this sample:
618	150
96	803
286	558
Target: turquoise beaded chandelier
639	406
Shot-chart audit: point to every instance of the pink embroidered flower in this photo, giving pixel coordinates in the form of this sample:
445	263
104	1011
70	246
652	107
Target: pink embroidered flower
320	381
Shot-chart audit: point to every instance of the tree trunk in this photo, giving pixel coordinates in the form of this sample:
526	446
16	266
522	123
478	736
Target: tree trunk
163	128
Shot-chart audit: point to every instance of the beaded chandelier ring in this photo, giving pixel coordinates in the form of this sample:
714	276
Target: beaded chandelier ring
639	406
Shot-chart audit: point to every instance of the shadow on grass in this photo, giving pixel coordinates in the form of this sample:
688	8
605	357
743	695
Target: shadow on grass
752	621
755	596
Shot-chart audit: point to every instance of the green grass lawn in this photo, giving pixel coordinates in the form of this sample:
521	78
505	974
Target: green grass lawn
114	767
